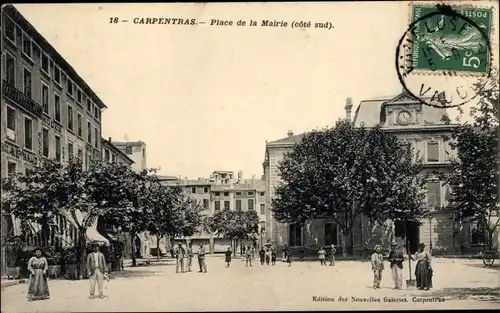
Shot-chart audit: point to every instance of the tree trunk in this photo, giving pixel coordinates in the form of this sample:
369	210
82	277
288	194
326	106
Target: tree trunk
82	269
134	261
158	247
343	237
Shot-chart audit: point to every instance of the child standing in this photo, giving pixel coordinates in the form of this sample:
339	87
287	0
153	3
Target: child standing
262	254
377	266
228	256
289	259
268	256
332	255
322	254
273	256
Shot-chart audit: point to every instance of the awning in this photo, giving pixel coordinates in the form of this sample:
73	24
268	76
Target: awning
92	234
143	237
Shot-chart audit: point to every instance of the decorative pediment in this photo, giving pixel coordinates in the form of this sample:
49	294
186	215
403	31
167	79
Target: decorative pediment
402	98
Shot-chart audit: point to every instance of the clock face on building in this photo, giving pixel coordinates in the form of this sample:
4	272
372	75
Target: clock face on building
404	117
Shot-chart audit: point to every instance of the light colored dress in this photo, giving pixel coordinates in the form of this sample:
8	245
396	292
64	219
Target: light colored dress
38	288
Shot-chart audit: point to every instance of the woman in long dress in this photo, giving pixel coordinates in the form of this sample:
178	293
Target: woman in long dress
37	266
423	270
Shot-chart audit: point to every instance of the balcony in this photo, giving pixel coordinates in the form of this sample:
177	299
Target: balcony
21	99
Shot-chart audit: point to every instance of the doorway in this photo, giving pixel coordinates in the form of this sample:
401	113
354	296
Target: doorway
412	235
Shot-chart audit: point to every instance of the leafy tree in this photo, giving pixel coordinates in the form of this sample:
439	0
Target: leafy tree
475	171
340	173
235	225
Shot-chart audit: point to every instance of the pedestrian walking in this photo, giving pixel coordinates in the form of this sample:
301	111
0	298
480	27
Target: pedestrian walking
228	254
284	254
248	257
301	254
38	287
262	255
268	256
377	266
189	252
179	257
201	259
289	258
332	255
423	270
273	256
396	260
97	268
321	254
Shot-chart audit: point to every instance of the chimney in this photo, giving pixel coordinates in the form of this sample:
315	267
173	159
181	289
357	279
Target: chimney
109	139
290	133
348	108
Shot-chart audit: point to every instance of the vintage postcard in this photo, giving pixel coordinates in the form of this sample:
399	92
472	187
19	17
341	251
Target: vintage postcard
250	156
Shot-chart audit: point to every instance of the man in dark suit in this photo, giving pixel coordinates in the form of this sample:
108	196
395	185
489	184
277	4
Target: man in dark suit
201	259
96	268
179	255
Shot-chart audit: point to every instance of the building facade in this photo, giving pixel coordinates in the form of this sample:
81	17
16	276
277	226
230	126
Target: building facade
418	125
47	110
135	150
223	191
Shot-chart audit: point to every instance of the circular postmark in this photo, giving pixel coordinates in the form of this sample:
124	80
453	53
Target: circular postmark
444	57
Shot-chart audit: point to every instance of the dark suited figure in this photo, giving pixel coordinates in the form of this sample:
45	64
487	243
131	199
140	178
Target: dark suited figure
179	255
201	259
189	253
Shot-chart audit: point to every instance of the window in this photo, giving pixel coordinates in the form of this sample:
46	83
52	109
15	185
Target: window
11	119
57	75
106	155
238	193
11	168
113	158
262	194
262	209
89	132
434	194
205	203
217	194
226	194
227	205
10	30
70	88
28	133
432	152
96	111
45	98
58	148
217	205
10	69
80	154
79	124
193	189
27	82
45	64
57	106
143	153
70	150
262	227
89	105
27	48
45	139
96	137
238	205
250	193
205	189
330	234
128	150
79	96
250	205
70	117
295	235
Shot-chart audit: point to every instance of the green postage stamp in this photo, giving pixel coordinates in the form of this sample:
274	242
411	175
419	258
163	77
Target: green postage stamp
446	40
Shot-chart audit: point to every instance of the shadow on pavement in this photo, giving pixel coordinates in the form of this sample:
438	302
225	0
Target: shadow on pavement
480	293
493	267
136	272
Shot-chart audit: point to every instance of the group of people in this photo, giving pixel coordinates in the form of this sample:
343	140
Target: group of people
423	269
180	253
38	267
331	255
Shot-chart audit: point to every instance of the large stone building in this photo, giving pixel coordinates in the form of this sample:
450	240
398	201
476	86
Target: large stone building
222	190
412	122
136	150
47	109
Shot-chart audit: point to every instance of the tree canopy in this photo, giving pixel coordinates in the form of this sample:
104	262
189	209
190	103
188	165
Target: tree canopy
236	225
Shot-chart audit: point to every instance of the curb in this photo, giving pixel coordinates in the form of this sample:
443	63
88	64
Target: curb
11	283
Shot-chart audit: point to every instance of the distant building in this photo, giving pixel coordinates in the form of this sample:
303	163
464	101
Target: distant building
220	191
136	150
413	123
112	154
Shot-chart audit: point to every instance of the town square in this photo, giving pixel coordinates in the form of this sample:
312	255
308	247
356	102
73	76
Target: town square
202	157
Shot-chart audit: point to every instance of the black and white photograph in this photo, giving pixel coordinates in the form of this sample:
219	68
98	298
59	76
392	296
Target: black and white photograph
259	156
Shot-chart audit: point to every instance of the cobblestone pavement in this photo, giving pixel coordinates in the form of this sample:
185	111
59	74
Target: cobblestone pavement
460	283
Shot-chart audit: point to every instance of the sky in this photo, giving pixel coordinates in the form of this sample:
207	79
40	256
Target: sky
207	98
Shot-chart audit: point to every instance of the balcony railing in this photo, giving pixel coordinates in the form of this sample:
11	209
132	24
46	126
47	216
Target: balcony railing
20	98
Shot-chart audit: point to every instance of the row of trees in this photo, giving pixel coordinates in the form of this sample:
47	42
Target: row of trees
135	202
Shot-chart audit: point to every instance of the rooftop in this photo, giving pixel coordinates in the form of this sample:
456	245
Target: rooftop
128	143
